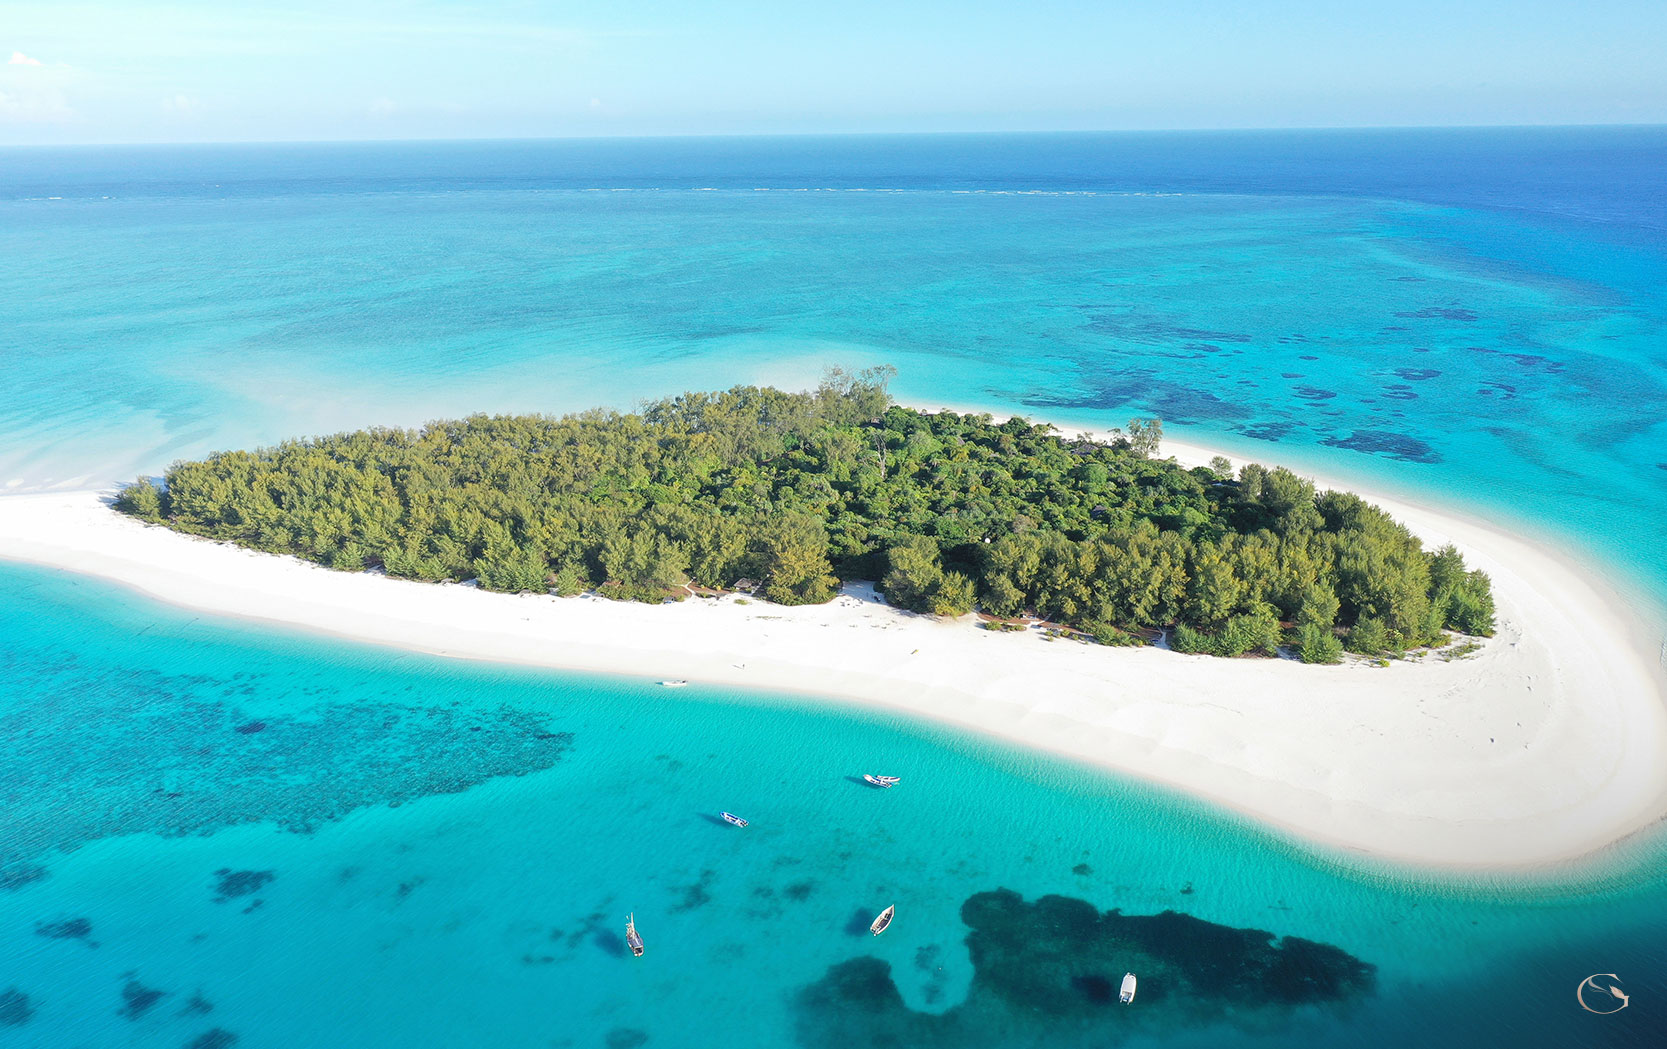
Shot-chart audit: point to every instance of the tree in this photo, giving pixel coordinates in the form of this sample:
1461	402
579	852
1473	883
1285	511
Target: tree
1145	435
141	499
1369	637
1446	568
568	582
513	571
1468	606
1002	598
792	554
915	574
1318	607
644	562
1213	591
952	596
1254	631
1317	644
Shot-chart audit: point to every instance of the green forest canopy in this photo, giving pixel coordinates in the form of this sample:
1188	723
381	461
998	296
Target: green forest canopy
800	490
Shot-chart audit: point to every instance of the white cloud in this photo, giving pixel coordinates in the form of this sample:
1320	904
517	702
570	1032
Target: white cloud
20	59
182	105
382	107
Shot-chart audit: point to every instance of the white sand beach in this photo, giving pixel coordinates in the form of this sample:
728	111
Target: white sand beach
1547	744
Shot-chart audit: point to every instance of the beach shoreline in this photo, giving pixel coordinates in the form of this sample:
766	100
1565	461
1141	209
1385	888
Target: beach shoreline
1546	745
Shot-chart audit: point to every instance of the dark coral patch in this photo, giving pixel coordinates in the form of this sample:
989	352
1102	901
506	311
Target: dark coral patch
1271	432
1082	870
1048	973
128	732
137	999
17	875
626	1038
1524	361
1307	357
1391	445
197	1006
232	884
799	890
249	728
1173	401
695	894
1399	392
1290	375
218	1038
1445	313
69	929
15	1009
1150	332
1416	374
1315	393
1661	466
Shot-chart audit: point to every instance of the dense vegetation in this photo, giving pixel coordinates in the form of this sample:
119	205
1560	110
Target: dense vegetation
797	491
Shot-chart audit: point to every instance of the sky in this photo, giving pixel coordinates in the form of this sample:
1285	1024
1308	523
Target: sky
248	70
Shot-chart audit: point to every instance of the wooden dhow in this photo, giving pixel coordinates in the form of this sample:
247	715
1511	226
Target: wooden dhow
632	939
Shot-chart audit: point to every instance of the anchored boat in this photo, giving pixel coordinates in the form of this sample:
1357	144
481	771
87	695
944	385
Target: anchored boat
1127	994
632	940
732	818
883	920
882	781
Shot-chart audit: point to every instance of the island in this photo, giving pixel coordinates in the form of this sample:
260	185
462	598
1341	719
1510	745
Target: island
821	548
794	494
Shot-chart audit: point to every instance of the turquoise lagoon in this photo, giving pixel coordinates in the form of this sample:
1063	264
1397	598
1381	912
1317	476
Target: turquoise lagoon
334	844
327	844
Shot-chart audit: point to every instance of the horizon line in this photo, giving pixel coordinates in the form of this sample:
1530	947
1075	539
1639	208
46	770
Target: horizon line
730	135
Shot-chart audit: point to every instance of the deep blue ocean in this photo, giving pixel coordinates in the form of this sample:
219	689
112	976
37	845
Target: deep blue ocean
217	835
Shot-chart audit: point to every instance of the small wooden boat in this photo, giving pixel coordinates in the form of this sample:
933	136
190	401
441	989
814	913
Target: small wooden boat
732	818
679	683
632	940
1127	994
882	781
884	920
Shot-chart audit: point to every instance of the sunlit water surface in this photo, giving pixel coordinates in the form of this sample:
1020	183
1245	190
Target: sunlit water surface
216	832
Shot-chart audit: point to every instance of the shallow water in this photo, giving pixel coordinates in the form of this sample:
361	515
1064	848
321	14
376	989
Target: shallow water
281	863
407	851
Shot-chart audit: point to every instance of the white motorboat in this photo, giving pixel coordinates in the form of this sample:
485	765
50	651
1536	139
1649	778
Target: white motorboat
883	920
